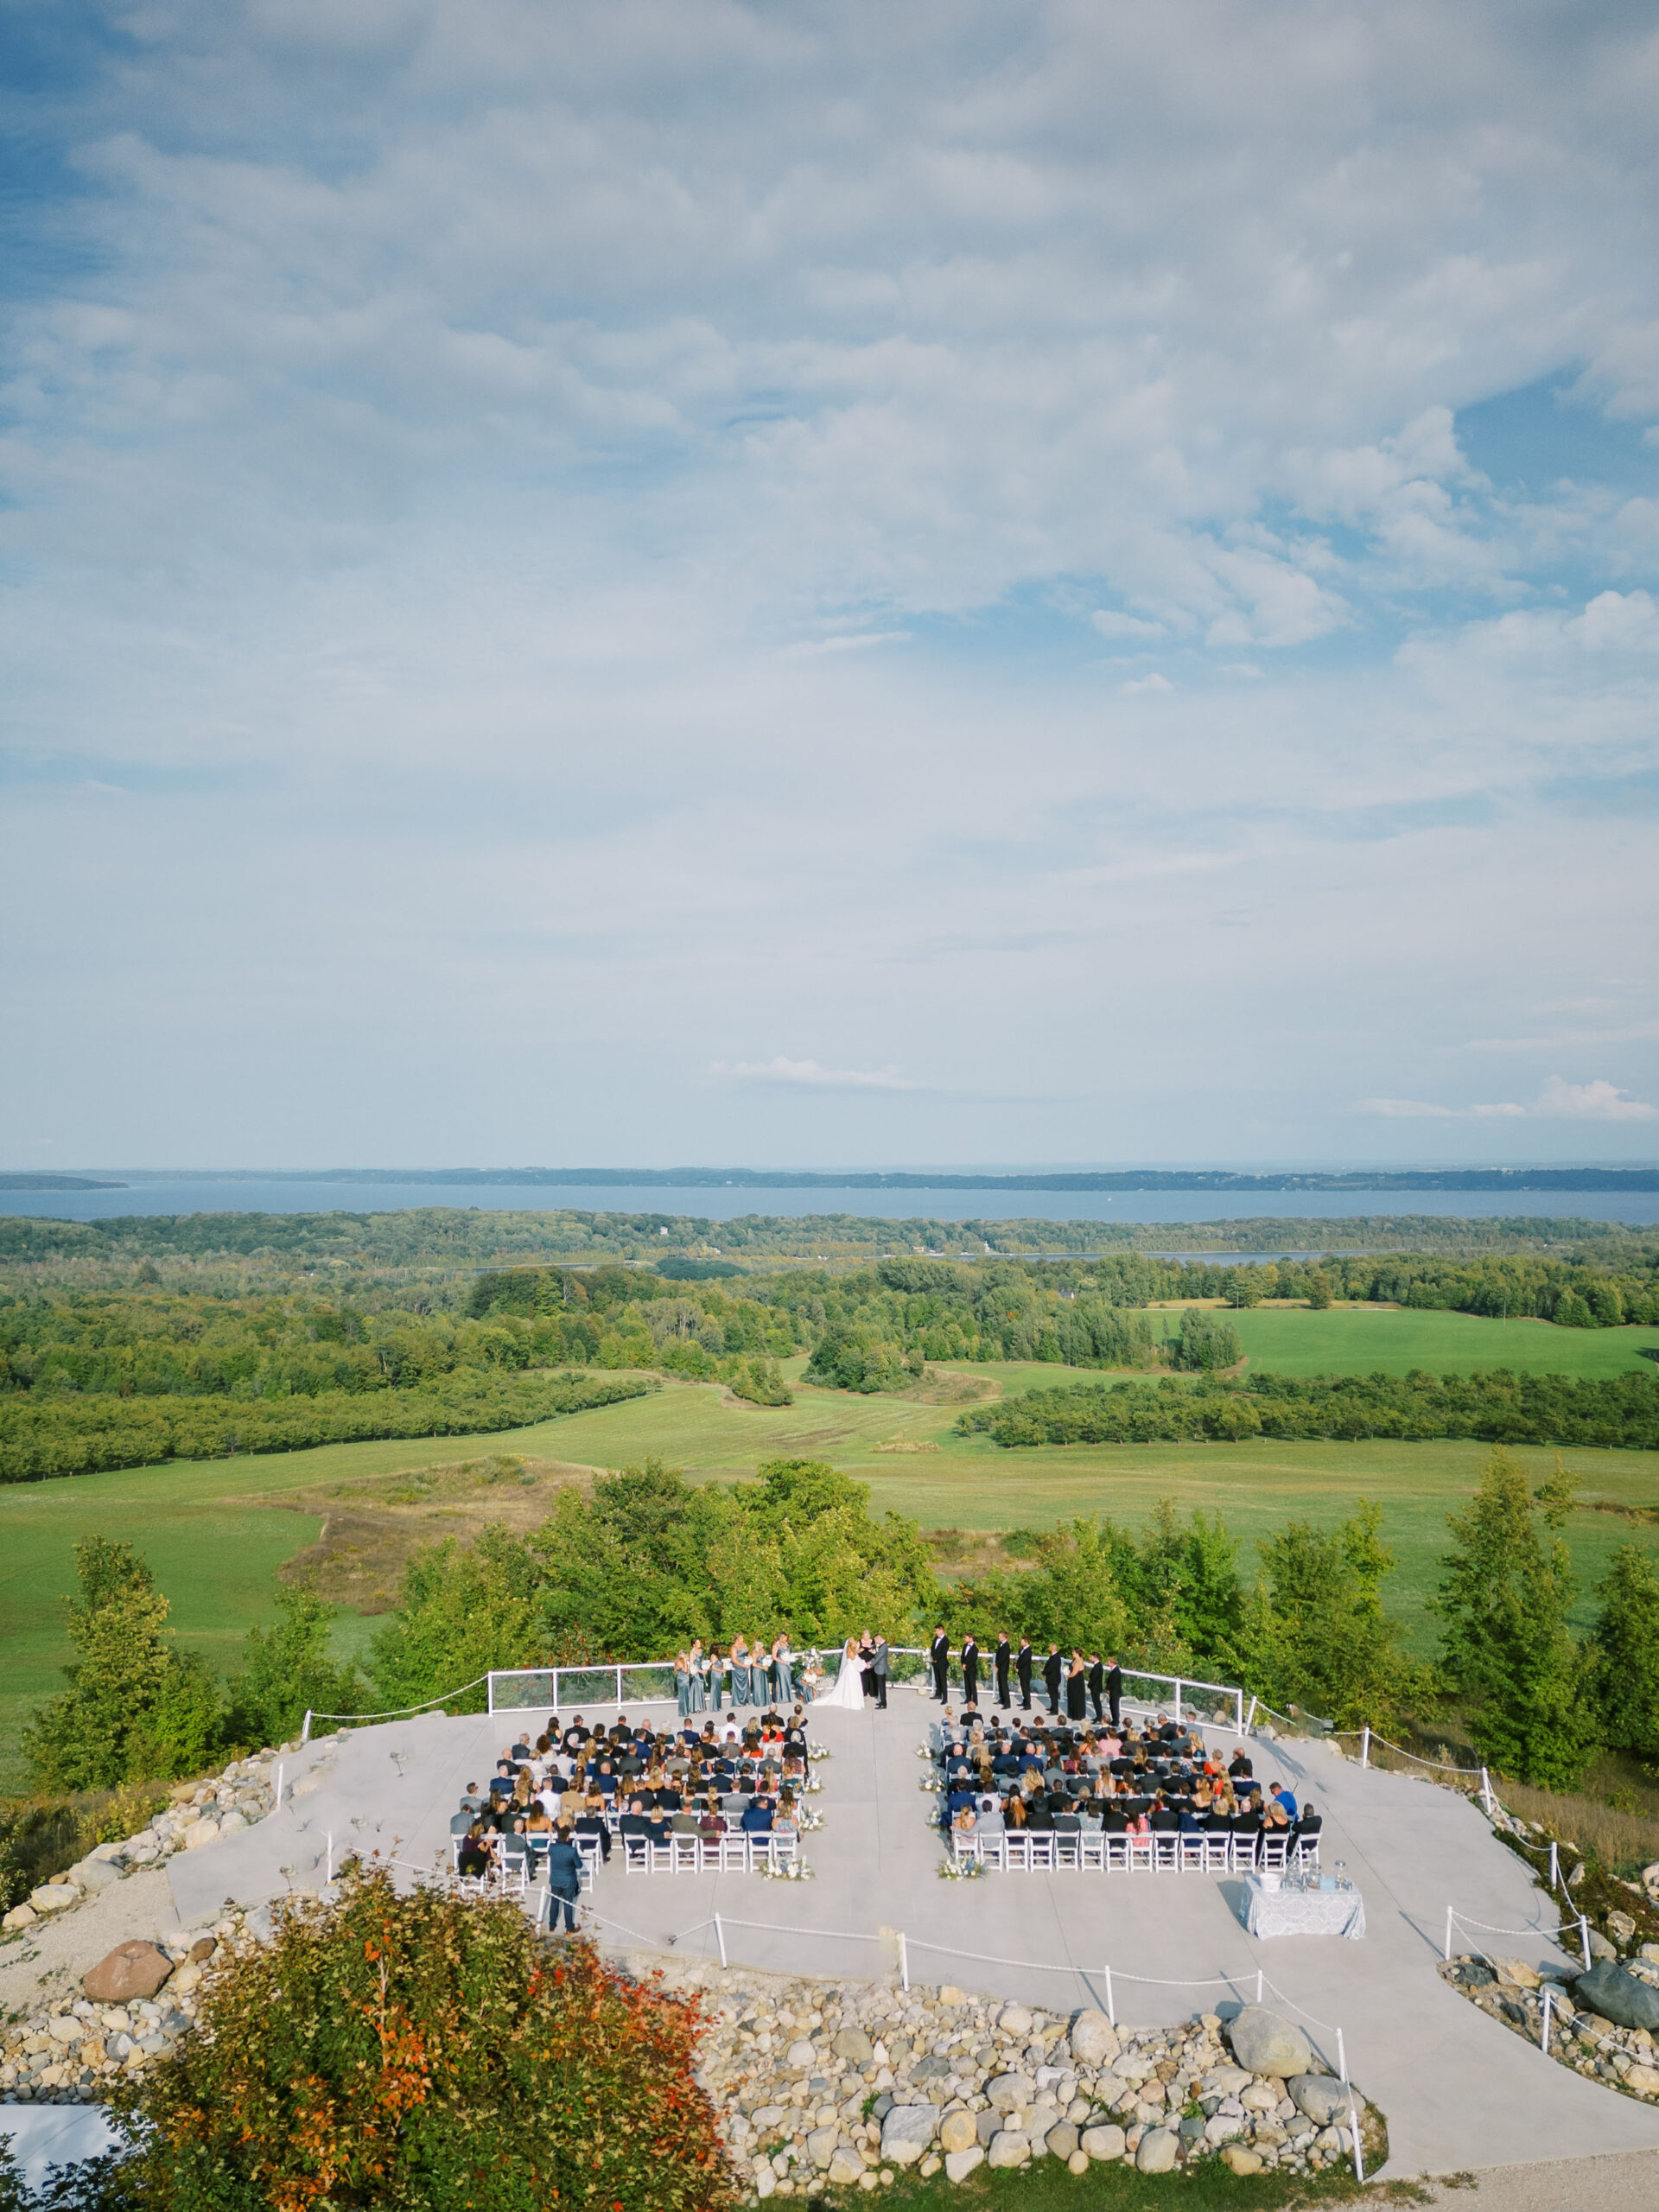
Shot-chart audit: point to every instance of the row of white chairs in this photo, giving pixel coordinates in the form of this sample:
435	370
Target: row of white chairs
1189	1854
693	1854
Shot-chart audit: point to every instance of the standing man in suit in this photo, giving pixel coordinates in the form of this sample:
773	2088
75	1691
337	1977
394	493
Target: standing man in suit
563	1882
880	1667
939	1654
1001	1658
1054	1671
1097	1682
1115	1691
1022	1668
970	1670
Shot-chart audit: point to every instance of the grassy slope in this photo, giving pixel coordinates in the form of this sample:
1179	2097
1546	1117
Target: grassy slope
216	1546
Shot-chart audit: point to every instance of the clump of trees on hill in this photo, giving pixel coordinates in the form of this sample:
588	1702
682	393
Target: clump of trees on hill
1609	1410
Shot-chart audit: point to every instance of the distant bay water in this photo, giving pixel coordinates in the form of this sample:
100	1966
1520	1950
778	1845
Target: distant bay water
207	1194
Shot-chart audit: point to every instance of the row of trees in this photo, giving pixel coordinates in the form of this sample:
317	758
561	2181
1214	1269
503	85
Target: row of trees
47	1435
648	1561
1498	1406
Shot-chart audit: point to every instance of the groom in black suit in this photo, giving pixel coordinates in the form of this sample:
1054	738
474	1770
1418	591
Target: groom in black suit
939	1654
1022	1668
1001	1660
970	1670
1053	1669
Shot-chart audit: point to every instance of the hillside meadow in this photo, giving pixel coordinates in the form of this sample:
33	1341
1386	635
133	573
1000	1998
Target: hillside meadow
217	1532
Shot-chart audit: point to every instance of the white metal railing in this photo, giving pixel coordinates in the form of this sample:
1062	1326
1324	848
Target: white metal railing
653	1682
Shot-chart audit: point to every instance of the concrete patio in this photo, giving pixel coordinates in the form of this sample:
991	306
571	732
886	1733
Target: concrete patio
1458	2090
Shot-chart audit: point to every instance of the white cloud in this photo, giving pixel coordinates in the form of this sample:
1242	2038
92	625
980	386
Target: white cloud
1421	1110
815	1077
1112	624
1153	682
1559	1100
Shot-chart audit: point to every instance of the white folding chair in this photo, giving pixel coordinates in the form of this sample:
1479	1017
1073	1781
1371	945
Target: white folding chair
1217	1852
1068	1850
734	1853
1091	1848
1166	1851
1017	1850
662	1857
1307	1851
1142	1852
781	1850
1192	1853
1042	1850
587	1852
686	1854
636	1854
1273	1851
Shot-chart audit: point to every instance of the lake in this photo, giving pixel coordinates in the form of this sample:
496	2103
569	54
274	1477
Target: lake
207	1194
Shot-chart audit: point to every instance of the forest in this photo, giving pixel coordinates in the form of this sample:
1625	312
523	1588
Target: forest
197	1363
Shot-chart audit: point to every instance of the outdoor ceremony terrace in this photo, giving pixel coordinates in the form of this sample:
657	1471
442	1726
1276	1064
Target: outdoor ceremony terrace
1458	2090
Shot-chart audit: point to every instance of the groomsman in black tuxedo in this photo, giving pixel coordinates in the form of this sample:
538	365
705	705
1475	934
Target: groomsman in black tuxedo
1115	1691
970	1670
1054	1671
1001	1660
1022	1668
1096	1679
939	1654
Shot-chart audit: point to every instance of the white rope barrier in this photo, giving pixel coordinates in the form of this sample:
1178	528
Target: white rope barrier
1580	1928
401	1713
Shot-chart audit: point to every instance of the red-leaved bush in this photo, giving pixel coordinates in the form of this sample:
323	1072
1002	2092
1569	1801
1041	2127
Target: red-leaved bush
425	2051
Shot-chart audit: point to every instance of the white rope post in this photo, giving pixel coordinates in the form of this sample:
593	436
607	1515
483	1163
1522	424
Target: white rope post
1543	2030
1342	2058
720	1938
1353	2125
1584	1941
1178	1701
278	1806
1259	1988
1555	1864
1486	1793
1249	1717
1448	1952
1365	1744
1238	1712
328	1873
904	1960
1111	2008
305	1733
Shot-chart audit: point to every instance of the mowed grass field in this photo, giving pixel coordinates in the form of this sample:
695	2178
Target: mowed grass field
216	1532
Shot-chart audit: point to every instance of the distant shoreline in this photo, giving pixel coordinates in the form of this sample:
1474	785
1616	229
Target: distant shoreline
1126	1179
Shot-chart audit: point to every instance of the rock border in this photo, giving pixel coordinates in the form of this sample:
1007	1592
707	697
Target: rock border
1511	1992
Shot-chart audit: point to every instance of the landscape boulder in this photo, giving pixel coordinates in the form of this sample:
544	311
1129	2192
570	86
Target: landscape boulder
1008	2148
854	2045
959	2131
55	1896
1320	2096
1094	2040
1103	2143
1619	1995
959	2164
1159	2148
1267	2044
1013	2020
1008	2092
906	2132
131	1971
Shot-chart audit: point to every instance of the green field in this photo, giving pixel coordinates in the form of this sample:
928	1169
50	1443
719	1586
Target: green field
1366	1339
215	1543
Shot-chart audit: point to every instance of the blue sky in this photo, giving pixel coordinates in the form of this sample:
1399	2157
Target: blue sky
648	583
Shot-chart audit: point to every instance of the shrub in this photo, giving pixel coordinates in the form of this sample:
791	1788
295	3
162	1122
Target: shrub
412	2051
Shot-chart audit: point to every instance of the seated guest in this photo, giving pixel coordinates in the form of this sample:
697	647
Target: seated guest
1163	1819
1239	1765
634	1822
461	1823
473	1798
1284	1797
1192	1811
758	1819
591	1821
711	1825
1307	1825
474	1857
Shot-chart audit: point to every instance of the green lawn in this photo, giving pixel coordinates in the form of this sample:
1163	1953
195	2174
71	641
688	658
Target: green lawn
1364	1339
216	1548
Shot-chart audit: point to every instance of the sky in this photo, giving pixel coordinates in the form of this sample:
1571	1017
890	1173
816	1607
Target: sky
671	580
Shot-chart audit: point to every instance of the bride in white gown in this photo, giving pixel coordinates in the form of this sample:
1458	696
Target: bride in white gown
848	1691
